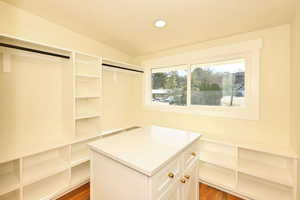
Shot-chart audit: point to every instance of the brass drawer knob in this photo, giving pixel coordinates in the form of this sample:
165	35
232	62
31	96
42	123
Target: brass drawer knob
171	175
187	176
194	154
182	180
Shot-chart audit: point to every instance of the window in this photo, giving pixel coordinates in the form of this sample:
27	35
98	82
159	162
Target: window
169	86
212	84
220	81
218	84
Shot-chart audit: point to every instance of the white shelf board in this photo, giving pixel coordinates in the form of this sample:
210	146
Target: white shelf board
80	173
8	182
47	188
87	116
259	189
218	158
79	61
87	76
217	175
271	173
43	170
79	161
87	97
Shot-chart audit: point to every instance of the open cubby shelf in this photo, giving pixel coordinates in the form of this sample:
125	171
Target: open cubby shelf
80	151
9	176
268	166
222	176
44	164
13	195
80	173
47	188
252	173
87	87
259	189
88	127
218	154
87	107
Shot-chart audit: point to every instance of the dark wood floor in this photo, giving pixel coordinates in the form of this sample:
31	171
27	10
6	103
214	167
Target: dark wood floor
210	193
82	193
206	193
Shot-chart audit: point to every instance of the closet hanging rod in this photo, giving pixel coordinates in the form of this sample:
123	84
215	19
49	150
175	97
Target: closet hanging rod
33	50
124	68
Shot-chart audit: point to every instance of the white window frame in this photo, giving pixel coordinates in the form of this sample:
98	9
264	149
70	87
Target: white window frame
249	50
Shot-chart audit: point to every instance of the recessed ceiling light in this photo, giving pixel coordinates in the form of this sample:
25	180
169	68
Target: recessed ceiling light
160	23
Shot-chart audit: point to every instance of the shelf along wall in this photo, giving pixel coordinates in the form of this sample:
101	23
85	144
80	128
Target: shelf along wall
247	171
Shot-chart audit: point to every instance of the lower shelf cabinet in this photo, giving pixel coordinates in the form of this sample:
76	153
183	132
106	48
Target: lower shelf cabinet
45	164
47	188
14	195
80	173
260	189
9	176
217	175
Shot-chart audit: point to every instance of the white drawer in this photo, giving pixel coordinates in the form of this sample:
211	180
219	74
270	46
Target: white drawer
189	156
165	178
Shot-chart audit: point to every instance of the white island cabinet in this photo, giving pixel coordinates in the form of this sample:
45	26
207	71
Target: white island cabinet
151	163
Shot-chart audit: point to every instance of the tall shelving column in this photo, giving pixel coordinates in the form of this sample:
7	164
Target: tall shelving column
88	95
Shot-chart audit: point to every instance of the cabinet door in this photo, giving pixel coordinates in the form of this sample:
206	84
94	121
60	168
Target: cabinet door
172	194
189	183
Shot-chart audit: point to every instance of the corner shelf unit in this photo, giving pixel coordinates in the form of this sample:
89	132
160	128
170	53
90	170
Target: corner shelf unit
249	172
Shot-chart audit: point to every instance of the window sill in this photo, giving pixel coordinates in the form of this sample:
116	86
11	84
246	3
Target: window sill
208	111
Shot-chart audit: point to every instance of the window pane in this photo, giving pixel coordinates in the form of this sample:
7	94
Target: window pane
218	84
169	86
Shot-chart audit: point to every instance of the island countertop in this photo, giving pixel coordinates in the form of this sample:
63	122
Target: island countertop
145	149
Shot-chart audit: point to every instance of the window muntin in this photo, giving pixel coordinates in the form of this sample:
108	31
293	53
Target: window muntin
218	84
169	86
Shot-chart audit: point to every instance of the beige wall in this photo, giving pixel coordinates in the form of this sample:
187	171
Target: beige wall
295	85
122	99
274	123
19	23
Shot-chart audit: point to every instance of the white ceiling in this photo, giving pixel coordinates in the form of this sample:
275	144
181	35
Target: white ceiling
128	24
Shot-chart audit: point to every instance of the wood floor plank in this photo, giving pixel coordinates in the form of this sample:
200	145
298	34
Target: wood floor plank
206	193
209	193
81	193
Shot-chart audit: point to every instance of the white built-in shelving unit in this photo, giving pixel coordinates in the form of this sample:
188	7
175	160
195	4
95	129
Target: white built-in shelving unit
47	154
251	172
48	174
